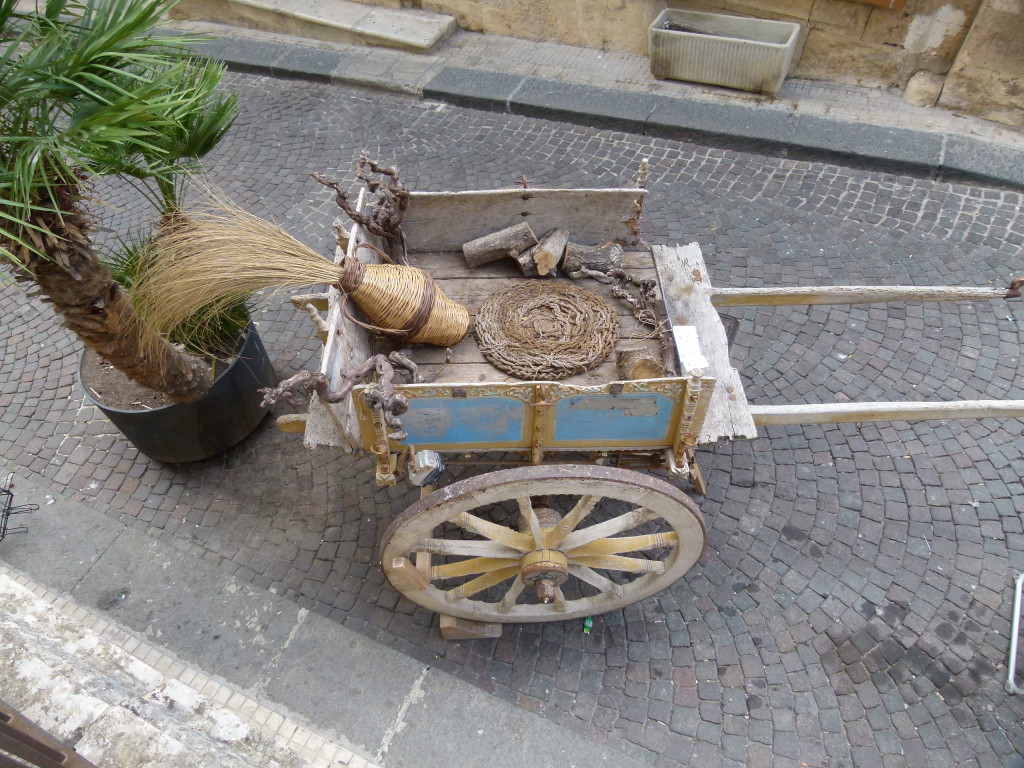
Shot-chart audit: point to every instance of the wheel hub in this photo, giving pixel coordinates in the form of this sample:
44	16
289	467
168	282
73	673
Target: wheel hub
544	570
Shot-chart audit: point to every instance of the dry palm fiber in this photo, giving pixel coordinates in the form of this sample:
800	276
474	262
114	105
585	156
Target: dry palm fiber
216	253
545	330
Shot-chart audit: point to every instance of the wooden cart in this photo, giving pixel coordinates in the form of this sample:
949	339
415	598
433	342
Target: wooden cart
572	528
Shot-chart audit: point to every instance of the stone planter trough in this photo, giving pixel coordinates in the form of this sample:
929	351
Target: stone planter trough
732	51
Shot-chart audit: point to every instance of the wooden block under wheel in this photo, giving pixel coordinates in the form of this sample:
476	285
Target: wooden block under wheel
467	629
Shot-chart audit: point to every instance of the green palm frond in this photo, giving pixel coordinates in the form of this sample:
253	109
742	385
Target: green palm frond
87	89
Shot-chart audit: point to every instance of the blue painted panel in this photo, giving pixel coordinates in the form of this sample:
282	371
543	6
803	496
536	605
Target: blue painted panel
459	421
612	420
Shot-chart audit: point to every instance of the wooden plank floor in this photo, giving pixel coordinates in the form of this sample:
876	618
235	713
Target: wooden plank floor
472	288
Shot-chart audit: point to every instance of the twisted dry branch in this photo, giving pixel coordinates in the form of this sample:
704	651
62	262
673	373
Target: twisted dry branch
387	213
643	302
378	396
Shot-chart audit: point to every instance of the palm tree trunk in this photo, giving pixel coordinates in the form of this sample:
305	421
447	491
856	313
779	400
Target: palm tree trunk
99	312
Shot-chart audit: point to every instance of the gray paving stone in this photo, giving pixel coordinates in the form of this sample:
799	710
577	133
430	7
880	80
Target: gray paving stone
869	581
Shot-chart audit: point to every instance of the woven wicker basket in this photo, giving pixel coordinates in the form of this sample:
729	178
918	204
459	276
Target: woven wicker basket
405	303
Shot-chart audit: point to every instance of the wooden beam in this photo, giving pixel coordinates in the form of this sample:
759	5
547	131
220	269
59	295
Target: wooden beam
292	422
443	221
687	291
837	413
406	577
851	294
453	628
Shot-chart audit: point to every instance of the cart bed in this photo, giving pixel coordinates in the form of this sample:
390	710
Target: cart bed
466	404
472	287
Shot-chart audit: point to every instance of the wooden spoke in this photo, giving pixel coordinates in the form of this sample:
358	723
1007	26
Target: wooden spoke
423	563
480	583
574	517
467	547
494	532
595	579
559	601
619	563
471	566
625	522
490	561
511	596
526	510
617	544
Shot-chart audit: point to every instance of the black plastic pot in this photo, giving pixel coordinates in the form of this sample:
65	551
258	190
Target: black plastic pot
223	417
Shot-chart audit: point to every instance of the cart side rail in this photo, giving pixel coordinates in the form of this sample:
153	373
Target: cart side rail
444	221
346	346
541	416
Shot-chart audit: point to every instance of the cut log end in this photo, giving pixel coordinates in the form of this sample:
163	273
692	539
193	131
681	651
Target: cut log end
506	243
584	260
548	253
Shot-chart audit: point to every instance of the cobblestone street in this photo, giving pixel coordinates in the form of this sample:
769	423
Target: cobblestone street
852	606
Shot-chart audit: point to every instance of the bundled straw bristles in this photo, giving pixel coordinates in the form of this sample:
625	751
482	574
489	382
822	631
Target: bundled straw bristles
215	254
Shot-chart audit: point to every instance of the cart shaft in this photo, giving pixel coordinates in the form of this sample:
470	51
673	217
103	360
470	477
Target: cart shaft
836	413
854	294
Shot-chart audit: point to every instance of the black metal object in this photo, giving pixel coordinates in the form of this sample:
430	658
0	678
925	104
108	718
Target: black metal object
732	327
223	417
7	508
23	743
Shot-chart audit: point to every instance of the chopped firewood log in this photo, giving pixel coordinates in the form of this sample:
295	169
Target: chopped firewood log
642	360
543	258
548	253
591	261
507	243
526	263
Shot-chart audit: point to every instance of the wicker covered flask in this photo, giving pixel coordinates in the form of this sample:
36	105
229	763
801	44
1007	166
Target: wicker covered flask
405	302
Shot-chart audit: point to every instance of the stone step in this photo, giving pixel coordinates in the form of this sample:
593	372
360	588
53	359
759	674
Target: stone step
334	21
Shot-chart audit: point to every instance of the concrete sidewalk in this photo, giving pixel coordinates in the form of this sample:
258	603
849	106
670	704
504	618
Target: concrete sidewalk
142	655
863	127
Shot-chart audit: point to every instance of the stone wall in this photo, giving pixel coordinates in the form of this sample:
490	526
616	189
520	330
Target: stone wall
862	44
616	25
878	43
987	78
851	41
962	54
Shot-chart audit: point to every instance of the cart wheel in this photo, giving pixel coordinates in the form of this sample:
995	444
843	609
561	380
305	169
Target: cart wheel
543	543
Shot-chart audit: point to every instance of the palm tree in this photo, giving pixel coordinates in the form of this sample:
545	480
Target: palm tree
88	89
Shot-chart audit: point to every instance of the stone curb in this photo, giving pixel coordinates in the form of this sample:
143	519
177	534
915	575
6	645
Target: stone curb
738	126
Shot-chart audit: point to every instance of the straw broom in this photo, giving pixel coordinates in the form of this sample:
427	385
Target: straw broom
216	254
